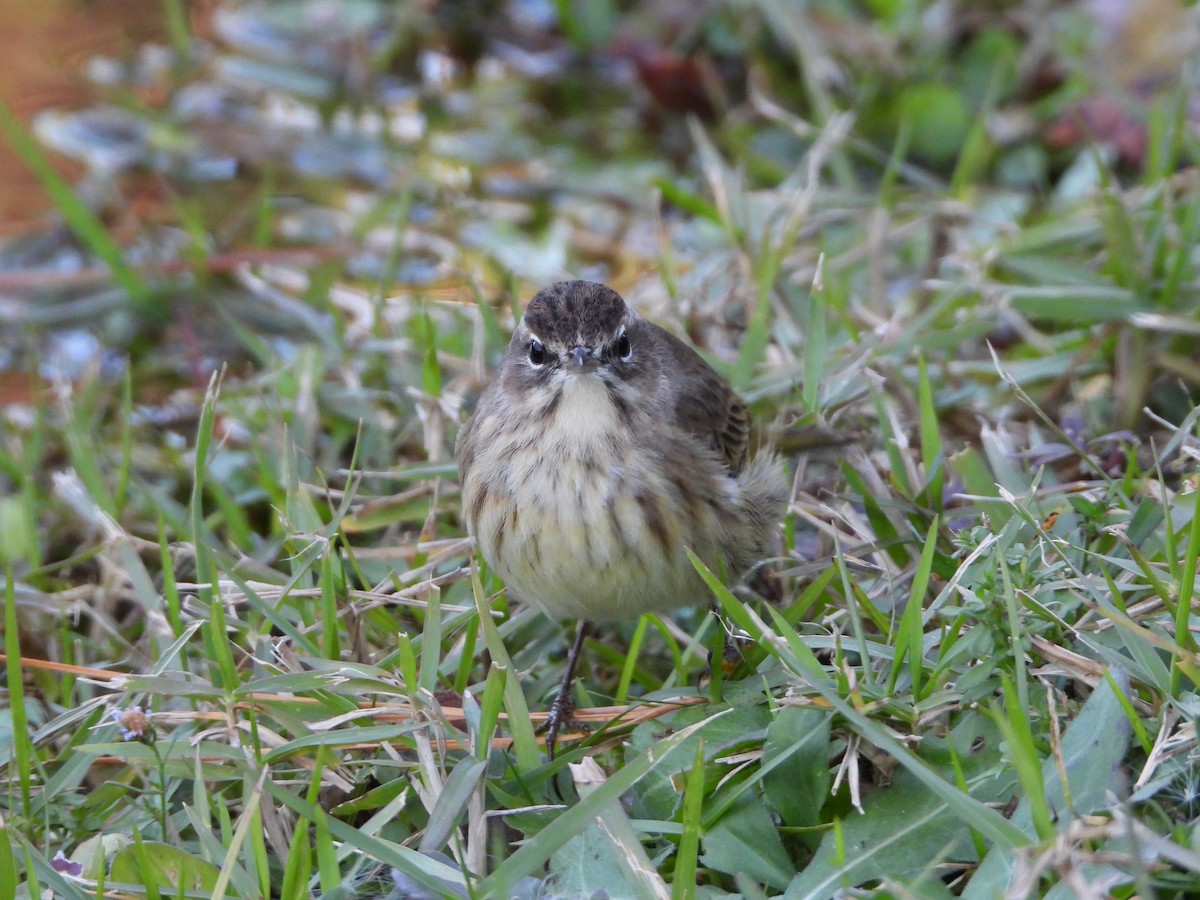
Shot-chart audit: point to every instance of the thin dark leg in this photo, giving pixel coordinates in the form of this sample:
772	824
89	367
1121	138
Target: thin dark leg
564	704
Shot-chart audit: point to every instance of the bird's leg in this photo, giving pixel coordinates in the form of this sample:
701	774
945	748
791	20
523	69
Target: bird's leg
564	705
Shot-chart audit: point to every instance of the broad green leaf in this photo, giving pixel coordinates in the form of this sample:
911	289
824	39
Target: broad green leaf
658	795
587	865
905	830
607	858
746	841
164	866
534	852
798	788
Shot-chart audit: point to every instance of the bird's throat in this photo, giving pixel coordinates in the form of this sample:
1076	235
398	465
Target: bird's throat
587	411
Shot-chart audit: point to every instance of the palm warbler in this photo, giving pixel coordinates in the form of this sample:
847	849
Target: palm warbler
603	450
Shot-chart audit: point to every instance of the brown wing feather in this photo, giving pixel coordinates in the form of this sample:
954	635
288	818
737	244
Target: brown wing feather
706	406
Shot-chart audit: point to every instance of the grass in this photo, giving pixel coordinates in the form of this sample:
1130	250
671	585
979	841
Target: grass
238	512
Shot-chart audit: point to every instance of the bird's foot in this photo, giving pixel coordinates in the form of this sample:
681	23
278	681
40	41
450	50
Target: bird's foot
561	717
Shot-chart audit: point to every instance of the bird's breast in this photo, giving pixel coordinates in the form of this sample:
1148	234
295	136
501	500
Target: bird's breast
586	507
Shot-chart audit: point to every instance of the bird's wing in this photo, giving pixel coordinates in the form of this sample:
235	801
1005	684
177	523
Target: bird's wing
707	407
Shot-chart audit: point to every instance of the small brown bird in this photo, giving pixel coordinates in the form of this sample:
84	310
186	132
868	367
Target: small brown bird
603	450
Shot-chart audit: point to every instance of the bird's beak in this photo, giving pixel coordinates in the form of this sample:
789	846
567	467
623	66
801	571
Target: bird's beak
582	357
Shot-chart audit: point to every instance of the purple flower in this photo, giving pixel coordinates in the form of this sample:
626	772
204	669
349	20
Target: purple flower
66	866
134	722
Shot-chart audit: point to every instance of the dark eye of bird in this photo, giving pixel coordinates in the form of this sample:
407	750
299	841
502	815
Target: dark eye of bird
623	348
537	353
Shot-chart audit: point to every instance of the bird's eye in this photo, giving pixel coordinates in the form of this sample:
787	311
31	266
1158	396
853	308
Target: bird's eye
623	348
537	353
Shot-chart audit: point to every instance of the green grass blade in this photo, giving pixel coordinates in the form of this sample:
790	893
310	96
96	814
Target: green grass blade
519	723
683	882
1014	721
910	636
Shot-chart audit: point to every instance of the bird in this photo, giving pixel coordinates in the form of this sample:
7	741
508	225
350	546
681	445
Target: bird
604	449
